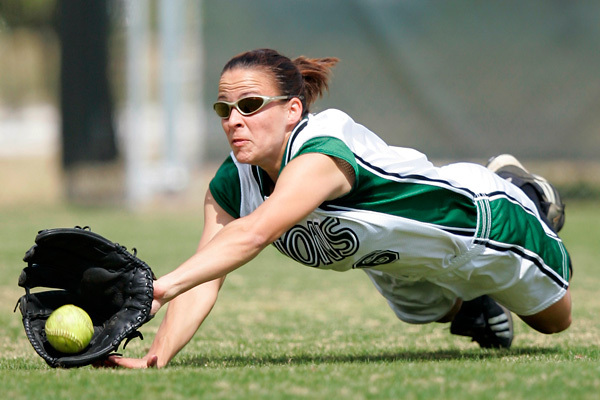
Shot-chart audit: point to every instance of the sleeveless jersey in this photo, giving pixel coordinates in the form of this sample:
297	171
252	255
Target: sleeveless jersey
404	216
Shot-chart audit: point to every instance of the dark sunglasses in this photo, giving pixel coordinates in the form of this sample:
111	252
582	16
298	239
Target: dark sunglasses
247	105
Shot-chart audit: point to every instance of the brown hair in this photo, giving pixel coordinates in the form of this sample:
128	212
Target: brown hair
304	77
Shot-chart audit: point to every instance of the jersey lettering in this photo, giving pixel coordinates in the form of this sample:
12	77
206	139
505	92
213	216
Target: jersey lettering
376	258
318	243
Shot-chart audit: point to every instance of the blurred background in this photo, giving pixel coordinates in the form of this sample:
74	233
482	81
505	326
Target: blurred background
108	102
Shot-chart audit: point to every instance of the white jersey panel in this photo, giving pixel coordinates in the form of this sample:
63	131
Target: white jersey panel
250	190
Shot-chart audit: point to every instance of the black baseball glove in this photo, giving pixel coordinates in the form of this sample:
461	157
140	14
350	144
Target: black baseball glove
112	285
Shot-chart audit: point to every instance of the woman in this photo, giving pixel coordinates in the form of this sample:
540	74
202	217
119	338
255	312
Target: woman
440	244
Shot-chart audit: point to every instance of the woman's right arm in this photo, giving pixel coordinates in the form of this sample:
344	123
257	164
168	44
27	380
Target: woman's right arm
186	312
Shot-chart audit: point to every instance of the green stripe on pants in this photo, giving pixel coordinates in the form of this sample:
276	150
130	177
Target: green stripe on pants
513	225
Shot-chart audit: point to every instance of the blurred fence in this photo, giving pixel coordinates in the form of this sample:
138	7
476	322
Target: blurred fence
456	80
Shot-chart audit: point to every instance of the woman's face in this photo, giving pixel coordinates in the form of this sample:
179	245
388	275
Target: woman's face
260	138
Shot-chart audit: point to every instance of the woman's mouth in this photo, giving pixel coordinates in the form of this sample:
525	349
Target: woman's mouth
238	142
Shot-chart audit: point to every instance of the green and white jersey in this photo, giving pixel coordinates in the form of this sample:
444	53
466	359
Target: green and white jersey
404	216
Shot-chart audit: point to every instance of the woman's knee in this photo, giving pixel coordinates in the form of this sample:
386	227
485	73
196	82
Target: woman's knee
553	319
548	327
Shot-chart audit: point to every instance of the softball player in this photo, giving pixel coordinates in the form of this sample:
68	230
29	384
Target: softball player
426	236
460	243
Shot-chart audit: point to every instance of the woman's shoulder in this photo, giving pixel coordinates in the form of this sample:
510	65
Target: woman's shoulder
330	115
330	122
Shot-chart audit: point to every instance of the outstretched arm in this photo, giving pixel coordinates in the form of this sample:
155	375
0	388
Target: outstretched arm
228	243
304	184
187	312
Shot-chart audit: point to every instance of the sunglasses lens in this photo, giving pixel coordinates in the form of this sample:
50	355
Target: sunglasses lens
250	105
221	109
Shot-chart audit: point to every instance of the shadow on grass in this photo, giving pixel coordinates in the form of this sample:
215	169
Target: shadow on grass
418	356
381	357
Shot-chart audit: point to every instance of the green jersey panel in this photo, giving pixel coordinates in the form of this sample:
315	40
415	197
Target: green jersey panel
225	187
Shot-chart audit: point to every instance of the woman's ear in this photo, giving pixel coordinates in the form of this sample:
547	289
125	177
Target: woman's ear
295	110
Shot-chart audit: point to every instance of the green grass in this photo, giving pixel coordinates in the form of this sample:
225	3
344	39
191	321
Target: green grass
281	330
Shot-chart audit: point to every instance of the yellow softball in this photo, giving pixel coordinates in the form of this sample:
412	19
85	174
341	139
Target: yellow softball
69	329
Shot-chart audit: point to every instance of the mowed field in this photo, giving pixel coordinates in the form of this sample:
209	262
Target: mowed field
281	330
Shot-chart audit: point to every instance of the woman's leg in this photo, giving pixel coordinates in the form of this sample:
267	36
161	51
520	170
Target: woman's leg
449	317
553	319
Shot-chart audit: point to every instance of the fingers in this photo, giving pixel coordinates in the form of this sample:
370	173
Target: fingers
133	363
152	362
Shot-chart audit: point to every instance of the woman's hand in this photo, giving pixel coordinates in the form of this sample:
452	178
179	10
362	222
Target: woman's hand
132	363
159	297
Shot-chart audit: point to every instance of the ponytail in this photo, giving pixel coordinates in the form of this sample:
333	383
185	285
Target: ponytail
315	73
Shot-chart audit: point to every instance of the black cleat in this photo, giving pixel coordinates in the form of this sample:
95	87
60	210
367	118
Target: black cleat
509	168
485	321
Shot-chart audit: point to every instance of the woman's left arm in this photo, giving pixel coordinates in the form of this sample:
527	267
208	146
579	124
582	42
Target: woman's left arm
305	183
